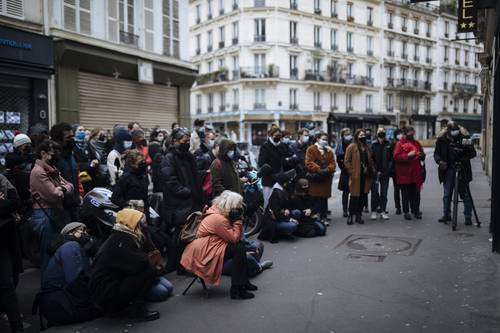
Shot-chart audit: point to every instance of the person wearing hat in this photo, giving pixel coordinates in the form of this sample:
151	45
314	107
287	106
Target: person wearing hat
122	142
19	164
182	190
122	275
64	296
277	214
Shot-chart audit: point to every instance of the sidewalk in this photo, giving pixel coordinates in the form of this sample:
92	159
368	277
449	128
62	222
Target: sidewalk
394	276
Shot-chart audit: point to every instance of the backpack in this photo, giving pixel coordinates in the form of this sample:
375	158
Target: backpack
190	228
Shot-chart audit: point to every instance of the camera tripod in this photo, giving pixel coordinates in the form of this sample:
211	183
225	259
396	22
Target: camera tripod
458	176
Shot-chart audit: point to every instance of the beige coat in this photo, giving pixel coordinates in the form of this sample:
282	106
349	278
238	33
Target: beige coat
314	158
352	162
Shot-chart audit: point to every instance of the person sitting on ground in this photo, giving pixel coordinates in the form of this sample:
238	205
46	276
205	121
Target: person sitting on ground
310	224
219	239
122	276
277	220
64	297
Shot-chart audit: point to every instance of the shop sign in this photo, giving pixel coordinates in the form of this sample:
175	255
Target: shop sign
467	16
17	46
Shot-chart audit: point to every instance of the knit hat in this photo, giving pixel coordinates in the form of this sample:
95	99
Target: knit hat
21	139
121	134
70	227
129	218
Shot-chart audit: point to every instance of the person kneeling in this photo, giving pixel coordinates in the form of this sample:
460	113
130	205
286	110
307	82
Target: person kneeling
255	250
64	297
310	224
219	239
123	276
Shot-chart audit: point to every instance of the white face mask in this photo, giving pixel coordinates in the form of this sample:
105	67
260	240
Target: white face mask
323	143
160	138
305	139
230	154
455	132
348	137
399	136
127	144
286	141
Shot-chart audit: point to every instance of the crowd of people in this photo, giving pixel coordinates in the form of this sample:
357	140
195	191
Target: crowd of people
85	274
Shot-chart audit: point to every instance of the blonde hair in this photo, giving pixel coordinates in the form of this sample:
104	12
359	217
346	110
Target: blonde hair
226	201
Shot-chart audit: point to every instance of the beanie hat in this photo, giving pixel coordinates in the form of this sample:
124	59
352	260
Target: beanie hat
122	134
21	139
129	218
137	133
70	227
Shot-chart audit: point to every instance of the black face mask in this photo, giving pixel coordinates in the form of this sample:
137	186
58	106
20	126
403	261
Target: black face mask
70	144
362	140
276	140
381	135
102	138
235	214
183	147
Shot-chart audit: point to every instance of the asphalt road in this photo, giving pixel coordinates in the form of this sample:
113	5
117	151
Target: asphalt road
392	276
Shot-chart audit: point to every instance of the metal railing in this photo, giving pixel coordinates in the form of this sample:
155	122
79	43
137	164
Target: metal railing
464	88
129	38
213	77
327	76
259	38
270	71
259	106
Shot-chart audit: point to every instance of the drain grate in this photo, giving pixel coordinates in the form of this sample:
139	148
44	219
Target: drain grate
365	257
374	244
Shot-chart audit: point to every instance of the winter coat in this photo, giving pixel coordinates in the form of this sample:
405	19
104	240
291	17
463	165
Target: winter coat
321	162
20	166
299	158
409	170
444	152
223	170
182	192
115	166
344	175
9	238
204	158
205	255
274	156
352	163
44	182
307	226
383	157
131	186
84	156
120	259
274	213
68	166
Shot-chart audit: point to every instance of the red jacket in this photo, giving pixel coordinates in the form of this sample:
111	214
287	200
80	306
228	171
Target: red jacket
409	169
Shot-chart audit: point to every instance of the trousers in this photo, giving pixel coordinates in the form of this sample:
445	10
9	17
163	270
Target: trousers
237	252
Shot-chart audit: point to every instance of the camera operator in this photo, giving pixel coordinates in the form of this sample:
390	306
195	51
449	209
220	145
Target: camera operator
452	151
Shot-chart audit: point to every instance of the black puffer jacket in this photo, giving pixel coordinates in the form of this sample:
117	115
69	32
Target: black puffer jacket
131	186
20	166
274	156
182	193
383	157
278	203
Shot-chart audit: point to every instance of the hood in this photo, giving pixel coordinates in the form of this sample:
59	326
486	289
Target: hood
226	146
129	218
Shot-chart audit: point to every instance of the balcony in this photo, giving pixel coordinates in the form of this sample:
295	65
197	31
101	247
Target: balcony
404	28
235	6
390	82
390	109
350	50
294	107
259	3
236	74
446	35
369	23
210	109
271	71
404	56
369	53
390	54
335	47
210	48
330	76
294	73
455	110
416	6
416	31
428	60
129	38
312	75
259	106
445	86
317	11
411	85
335	15
318	108
294	6
222	44
350	19
317	45
390	25
457	62
222	108
416	58
213	77
428	34
259	38
294	41
446	59
221	11
235	107
464	89
235	41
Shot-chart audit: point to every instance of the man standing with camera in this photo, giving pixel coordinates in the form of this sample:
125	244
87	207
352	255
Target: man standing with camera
453	150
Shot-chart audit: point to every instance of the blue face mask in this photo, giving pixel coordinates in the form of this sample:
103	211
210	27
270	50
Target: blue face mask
230	154
80	136
127	144
305	139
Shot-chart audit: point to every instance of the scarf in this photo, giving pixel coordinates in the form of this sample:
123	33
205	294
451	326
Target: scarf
99	148
138	236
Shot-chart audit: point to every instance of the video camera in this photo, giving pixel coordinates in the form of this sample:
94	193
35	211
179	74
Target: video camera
460	149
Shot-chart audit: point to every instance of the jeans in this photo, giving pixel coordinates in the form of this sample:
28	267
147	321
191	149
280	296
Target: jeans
397	193
379	194
46	234
449	185
286	228
320	227
321	206
410	198
160	291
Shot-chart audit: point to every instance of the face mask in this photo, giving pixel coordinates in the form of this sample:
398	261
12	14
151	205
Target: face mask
183	147
230	154
305	139
80	136
27	150
323	143
127	144
235	214
70	144
381	135
455	132
160	138
211	144
348	138
409	137
275	141
286	141
362	140
102	138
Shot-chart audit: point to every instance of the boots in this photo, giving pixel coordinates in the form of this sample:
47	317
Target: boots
250	287
350	219
359	220
138	312
240	292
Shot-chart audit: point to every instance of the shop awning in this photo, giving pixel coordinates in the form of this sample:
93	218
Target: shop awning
362	117
424	117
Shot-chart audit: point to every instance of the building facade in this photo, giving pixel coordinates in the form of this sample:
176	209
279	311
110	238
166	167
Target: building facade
328	63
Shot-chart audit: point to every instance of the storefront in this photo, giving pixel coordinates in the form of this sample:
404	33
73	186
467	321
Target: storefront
26	63
336	122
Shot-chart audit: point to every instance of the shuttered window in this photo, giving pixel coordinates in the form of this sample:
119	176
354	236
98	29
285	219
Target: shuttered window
171	28
112	10
77	16
149	24
166	28
13	8
105	101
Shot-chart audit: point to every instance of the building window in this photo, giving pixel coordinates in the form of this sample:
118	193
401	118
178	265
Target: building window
416	55
390	52
260	64
369	45
198	15
209	9
350	49
221	7
457	56
222	99
404	53
260	30
317	6
404	22
427	105
293	99
210	98
236	68
348	102
390	103
428	54
476	103
333	101
350	15
369	71
369	107
171	28
210	40
198	44
236	32
333	8
350	67
222	37
317	36
222	63
293	33
390	20
198	103
76	14
428	29
317	101
260	98
294	70
333	38
445	82
369	16
416	29
149	27
209	67
446	54
456	104
317	66
446	29
236	99
445	103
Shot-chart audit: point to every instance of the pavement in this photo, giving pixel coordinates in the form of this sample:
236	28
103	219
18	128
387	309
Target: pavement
391	276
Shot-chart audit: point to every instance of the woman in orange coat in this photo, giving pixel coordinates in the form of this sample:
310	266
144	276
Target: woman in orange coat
320	164
219	239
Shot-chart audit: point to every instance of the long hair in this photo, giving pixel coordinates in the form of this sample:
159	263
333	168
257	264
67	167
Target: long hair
226	201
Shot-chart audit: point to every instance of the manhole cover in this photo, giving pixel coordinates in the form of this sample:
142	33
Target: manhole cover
365	257
381	244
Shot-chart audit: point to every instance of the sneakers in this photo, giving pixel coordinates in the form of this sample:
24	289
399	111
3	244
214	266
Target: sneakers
445	219
266	264
385	216
374	216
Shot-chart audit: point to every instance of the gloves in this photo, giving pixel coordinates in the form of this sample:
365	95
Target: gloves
443	165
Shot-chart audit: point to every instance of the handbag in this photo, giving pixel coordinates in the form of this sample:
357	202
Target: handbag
57	219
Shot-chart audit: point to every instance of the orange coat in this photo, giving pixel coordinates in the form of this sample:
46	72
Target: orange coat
205	255
313	160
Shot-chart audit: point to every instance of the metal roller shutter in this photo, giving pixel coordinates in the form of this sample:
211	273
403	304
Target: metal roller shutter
106	101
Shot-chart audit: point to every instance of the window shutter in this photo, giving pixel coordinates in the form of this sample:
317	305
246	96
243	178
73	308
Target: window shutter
85	24
14	8
149	24
69	15
113	20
